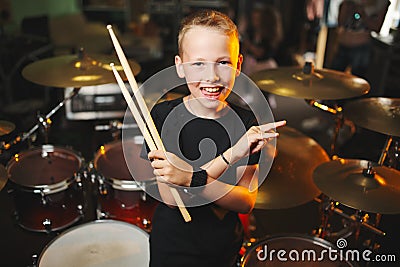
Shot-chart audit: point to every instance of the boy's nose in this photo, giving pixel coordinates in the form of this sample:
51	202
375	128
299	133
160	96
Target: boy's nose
212	74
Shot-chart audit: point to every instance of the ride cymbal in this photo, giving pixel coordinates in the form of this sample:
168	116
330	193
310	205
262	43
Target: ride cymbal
378	114
289	182
75	70
6	127
307	83
360	185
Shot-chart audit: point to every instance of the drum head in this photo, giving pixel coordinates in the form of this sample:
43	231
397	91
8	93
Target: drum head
44	166
102	243
110	161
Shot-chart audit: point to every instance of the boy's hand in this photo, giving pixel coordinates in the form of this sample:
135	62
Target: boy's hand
169	168
254	140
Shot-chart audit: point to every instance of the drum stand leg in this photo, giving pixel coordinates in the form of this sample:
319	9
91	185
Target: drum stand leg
326	211
351	223
385	150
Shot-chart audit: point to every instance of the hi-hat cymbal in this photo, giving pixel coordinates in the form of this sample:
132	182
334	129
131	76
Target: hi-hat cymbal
348	182
289	182
6	127
75	71
3	176
320	84
378	114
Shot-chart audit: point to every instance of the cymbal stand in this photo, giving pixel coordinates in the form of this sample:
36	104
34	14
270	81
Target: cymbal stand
385	150
392	157
337	111
42	122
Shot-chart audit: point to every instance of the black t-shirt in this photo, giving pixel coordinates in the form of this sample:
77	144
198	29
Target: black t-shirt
207	240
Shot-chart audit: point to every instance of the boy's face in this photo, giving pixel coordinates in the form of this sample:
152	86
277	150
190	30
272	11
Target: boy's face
210	62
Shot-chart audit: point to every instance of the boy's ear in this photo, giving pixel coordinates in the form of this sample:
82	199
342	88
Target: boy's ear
239	65
179	67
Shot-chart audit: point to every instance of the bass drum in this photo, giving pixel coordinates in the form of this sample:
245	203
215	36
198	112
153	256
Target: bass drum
104	243
48	190
294	250
122	195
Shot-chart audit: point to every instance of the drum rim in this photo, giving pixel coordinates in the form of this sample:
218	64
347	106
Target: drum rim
44	188
104	221
253	246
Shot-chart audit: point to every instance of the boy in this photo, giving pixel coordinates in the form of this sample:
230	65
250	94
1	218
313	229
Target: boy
212	151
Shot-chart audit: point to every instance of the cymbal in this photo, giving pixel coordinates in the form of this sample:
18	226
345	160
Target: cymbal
289	182
75	71
320	84
3	176
346	181
378	114
6	127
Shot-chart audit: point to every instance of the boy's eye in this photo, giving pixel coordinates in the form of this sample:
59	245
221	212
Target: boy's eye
198	64
224	63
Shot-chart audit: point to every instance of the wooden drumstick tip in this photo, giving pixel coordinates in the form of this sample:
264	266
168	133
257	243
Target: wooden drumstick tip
111	65
109	26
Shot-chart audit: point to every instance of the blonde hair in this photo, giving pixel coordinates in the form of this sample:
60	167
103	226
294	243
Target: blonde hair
207	18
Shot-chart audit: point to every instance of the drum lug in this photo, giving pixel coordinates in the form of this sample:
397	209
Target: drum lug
144	196
93	178
102	215
34	260
85	174
146	224
102	189
47	225
80	210
44	201
78	179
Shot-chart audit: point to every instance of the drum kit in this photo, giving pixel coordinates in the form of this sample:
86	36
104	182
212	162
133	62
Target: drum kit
51	185
49	180
302	171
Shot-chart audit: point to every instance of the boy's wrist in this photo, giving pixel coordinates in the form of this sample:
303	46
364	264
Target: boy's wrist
199	178
229	157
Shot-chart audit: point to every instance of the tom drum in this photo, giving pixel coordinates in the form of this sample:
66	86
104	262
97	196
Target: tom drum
48	191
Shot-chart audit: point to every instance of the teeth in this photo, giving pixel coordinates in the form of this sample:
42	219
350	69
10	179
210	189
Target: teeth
211	89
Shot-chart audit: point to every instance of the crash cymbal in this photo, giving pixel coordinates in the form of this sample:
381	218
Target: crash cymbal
320	84
352	183
289	182
378	114
6	127
3	176
75	70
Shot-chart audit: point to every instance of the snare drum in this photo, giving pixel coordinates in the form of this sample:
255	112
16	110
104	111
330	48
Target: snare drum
104	243
293	250
122	194
47	191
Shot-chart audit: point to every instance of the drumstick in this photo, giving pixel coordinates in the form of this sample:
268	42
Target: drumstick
153	139
134	87
148	138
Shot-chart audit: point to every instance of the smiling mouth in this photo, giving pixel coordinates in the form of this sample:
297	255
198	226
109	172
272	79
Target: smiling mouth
212	93
215	90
